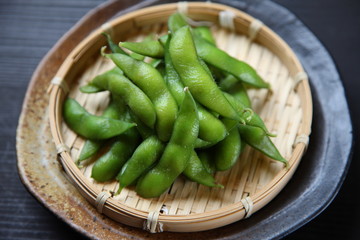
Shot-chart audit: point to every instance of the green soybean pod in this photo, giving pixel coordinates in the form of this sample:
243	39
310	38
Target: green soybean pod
92	88
89	88
196	172
116	49
235	88
205	33
207	160
176	154
150	81
211	129
150	48
143	130
113	47
156	62
144	156
257	138
249	116
227	152
171	77
202	144
176	21
91	126
108	166
133	96
91	147
202	86
220	59
217	57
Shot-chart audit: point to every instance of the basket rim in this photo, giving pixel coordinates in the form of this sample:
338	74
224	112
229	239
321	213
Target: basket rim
259	199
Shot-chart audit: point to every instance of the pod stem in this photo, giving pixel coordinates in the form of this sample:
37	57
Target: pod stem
102	51
219	185
119	190
78	163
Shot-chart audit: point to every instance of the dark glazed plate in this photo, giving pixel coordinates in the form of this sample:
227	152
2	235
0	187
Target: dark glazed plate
314	185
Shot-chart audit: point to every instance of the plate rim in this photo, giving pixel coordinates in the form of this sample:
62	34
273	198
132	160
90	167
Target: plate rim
41	65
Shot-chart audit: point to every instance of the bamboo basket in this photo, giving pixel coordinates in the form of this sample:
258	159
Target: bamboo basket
252	182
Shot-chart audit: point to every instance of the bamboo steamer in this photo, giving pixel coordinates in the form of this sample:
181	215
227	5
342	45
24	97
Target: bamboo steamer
253	182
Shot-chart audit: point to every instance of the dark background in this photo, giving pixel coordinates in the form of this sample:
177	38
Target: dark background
29	28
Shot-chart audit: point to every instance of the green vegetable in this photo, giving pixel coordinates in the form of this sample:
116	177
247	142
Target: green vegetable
91	126
176	154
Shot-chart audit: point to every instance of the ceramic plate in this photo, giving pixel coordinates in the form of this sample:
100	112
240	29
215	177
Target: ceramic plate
314	185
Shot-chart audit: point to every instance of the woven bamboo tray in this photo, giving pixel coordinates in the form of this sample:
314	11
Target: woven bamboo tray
252	182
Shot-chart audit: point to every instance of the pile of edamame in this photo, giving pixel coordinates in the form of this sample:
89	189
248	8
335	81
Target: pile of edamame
178	105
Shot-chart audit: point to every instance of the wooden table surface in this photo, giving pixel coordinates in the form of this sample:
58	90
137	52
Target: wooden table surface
30	28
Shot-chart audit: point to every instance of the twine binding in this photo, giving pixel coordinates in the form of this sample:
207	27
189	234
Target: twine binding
62	147
182	7
300	76
248	205
152	224
59	81
106	27
100	201
226	19
254	28
302	138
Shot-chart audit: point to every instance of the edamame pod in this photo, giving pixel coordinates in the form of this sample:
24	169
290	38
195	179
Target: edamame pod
113	47
91	147
211	129
199	143
257	138
108	166
176	21
145	155
249	116
205	33
91	126
90	89
150	48
216	57
134	97
227	152
201	85
176	154
235	88
207	160
116	49
196	172
150	81
220	59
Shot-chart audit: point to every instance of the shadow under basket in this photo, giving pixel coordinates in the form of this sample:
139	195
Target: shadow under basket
253	182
